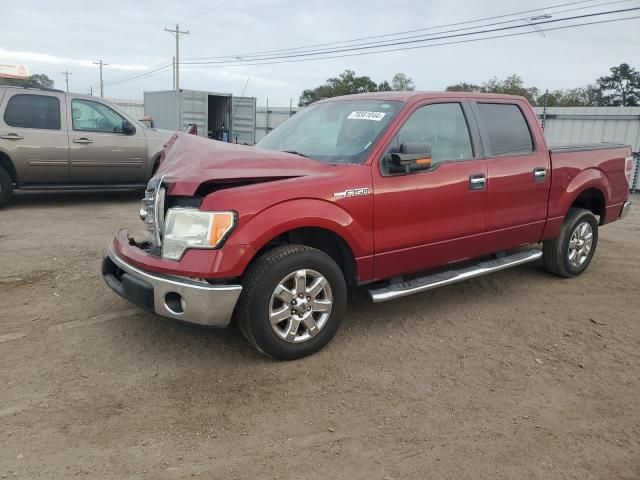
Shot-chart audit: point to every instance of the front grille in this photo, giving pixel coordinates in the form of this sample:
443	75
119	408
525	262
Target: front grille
152	211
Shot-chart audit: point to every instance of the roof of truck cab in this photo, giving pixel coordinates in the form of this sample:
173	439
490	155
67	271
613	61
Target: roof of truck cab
407	96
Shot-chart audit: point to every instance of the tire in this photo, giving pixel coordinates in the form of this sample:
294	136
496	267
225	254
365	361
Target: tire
566	255
6	187
269	291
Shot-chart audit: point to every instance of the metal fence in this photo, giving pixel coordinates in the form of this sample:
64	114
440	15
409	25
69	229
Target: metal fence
135	108
593	125
268	118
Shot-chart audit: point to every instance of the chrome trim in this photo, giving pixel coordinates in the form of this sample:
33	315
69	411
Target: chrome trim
158	212
453	276
202	303
539	174
626	207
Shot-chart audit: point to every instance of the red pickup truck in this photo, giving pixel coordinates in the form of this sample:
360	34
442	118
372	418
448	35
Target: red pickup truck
402	192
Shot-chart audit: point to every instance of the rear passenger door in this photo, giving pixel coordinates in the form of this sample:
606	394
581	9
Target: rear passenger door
518	174
33	134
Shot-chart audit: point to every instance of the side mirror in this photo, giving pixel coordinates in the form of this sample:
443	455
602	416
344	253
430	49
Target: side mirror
412	157
128	128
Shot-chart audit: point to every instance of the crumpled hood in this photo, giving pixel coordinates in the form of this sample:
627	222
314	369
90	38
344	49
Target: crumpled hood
189	161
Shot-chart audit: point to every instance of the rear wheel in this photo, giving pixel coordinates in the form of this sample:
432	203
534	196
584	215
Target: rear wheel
571	252
292	302
6	187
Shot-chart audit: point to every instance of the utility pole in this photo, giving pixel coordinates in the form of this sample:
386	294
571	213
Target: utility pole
176	33
66	74
91	91
101	82
173	66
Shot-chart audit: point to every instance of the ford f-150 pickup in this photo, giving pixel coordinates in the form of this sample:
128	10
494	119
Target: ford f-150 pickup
402	192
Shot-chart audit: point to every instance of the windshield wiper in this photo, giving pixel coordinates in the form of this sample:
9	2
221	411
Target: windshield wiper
294	152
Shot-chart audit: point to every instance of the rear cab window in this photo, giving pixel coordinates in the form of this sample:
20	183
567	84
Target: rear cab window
506	130
33	111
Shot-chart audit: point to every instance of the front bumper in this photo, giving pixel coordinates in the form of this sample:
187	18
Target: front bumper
169	296
625	209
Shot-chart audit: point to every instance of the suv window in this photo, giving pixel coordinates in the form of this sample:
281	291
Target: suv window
33	111
506	128
90	116
442	126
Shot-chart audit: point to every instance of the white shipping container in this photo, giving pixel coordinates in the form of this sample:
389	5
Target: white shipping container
211	112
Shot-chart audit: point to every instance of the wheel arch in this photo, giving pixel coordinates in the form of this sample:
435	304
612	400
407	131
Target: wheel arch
591	190
322	239
326	227
591	199
7	164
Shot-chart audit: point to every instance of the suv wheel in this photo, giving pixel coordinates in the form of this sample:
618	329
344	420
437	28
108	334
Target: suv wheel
292	302
6	187
570	253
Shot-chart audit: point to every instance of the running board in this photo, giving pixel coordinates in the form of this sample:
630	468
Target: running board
441	279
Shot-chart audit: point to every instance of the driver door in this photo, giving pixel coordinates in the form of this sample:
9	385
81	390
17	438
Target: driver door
429	218
99	151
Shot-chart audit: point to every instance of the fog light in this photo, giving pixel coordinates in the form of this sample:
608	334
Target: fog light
175	303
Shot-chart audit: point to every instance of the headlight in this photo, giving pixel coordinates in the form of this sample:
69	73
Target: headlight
186	228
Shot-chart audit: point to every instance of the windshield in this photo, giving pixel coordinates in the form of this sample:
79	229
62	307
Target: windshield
333	132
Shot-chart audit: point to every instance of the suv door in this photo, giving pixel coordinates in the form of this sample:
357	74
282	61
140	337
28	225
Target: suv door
518	174
100	149
33	133
431	217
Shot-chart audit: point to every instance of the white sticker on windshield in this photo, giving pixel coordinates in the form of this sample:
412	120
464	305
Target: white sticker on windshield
375	116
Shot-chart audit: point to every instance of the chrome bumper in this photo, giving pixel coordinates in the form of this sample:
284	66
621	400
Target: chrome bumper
625	209
174	297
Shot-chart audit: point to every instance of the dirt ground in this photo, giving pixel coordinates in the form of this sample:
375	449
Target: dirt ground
515	375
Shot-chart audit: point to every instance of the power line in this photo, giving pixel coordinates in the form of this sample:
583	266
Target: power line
204	12
414	47
411	41
163	68
436	27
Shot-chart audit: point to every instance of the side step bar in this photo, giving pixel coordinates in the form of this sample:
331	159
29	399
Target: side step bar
441	279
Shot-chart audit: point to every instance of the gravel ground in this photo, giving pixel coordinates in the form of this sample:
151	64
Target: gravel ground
514	375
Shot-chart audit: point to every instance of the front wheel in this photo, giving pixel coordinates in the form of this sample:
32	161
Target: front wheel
571	252
292	302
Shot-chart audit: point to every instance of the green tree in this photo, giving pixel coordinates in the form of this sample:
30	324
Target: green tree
385	87
512	85
401	82
344	84
464	87
34	81
348	82
621	87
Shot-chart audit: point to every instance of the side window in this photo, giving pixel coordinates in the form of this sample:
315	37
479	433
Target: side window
90	116
506	128
442	126
33	111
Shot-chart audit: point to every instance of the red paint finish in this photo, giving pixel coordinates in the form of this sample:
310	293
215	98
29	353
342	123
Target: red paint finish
404	223
227	262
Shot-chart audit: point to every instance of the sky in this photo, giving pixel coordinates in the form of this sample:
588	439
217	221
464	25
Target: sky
51	37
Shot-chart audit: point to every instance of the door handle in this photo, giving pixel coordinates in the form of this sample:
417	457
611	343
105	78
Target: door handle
477	182
539	174
11	136
82	140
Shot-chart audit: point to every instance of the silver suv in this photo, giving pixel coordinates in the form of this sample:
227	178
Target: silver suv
55	140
